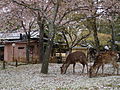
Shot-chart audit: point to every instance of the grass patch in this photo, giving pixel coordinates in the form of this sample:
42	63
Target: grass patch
112	85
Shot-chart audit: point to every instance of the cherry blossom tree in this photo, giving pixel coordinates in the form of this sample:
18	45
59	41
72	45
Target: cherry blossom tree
51	15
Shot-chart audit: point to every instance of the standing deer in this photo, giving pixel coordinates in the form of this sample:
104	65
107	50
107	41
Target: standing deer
107	57
72	58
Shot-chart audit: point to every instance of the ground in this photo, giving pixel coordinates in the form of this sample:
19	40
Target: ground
28	77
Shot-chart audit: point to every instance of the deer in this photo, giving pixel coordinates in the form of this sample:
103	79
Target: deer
107	57
91	54
73	58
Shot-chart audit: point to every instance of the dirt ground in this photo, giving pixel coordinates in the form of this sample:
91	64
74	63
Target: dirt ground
28	77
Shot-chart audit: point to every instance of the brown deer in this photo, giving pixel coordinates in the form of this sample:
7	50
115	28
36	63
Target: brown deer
72	58
107	57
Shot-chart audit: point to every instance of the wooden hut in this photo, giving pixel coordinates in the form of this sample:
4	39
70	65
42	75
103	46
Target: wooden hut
17	51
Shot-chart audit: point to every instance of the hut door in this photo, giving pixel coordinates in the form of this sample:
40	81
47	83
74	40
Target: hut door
1	53
21	54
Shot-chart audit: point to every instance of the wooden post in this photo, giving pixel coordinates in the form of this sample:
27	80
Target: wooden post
16	64
3	64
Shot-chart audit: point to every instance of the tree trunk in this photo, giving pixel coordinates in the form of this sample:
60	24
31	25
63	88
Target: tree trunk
51	36
95	35
41	45
28	41
28	48
113	36
41	38
45	63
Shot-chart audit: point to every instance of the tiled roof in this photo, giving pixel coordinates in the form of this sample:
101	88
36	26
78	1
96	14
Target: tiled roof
34	34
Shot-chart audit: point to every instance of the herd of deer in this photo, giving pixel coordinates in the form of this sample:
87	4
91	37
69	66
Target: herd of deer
101	58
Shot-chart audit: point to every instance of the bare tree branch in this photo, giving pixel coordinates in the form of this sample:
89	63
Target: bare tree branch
83	37
25	30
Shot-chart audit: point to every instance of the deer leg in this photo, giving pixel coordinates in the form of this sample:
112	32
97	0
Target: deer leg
115	65
117	70
102	69
66	66
87	67
74	67
97	69
92	71
113	70
83	68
